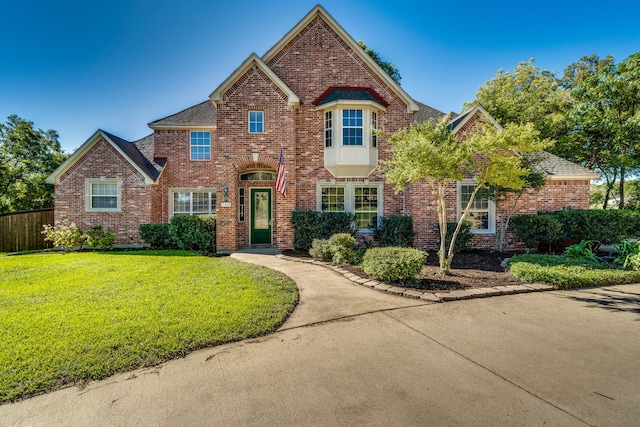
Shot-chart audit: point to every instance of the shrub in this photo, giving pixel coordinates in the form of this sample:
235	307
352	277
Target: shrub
393	264
396	231
309	225
582	250
158	236
99	239
599	226
628	254
339	248
464	236
567	272
321	248
536	230
342	247
64	234
195	232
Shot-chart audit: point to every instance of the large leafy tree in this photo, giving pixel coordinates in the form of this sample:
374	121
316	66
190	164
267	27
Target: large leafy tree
527	95
387	67
431	153
27	157
605	118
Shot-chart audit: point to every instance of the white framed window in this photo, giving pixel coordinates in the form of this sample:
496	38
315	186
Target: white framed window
103	195
352	127
374	128
482	212
256	121
192	202
363	200
328	129
242	201
200	143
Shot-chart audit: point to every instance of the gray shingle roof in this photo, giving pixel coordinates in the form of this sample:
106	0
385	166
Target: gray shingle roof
426	113
131	150
555	166
350	94
203	114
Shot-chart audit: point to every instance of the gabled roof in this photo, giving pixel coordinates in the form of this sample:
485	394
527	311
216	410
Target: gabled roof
254	61
319	11
558	168
460	121
200	116
127	149
349	94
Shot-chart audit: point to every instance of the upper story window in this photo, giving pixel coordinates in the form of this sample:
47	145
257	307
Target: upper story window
328	128
256	121
352	128
481	215
200	145
102	195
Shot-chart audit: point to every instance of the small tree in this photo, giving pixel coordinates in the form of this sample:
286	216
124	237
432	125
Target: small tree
506	199
430	152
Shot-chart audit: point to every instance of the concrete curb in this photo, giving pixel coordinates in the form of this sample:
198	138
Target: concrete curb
456	295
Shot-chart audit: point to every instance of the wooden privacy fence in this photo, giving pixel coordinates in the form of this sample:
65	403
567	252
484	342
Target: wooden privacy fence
22	231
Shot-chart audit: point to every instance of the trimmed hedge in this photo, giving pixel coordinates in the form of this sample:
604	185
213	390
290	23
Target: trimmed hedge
393	264
195	232
339	248
310	225
567	273
571	226
396	231
158	236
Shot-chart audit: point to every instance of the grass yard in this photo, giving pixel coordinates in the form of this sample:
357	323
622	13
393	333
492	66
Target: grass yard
70	318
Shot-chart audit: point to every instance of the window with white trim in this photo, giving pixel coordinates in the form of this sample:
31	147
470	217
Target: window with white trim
256	121
200	145
328	129
363	200
352	127
374	128
481	214
102	195
186	202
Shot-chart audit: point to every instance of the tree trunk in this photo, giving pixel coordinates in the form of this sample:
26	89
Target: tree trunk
621	191
460	221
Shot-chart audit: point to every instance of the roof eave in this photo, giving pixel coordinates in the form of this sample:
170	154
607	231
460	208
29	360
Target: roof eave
54	178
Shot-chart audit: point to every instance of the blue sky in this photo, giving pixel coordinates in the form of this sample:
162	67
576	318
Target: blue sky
76	66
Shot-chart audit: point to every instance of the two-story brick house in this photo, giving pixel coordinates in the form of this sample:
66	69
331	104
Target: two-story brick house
315	97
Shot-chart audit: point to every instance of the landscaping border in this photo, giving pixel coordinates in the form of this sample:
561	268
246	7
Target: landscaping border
455	295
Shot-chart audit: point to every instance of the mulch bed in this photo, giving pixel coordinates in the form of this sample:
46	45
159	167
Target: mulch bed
470	269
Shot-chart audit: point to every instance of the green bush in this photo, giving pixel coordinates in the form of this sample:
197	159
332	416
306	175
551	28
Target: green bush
339	248
321	249
309	225
599	226
395	231
99	239
342	247
568	273
158	236
582	250
392	264
536	230
628	254
64	234
195	232
464	236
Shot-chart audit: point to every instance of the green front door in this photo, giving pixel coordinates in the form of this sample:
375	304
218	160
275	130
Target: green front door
260	216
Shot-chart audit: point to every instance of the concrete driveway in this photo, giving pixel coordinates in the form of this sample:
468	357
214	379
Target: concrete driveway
350	355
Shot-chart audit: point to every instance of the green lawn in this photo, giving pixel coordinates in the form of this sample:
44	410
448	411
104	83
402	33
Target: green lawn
69	318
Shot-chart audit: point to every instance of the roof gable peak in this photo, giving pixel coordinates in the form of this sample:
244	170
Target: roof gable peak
253	61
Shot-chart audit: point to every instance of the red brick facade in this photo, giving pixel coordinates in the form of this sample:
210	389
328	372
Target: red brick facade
317	57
